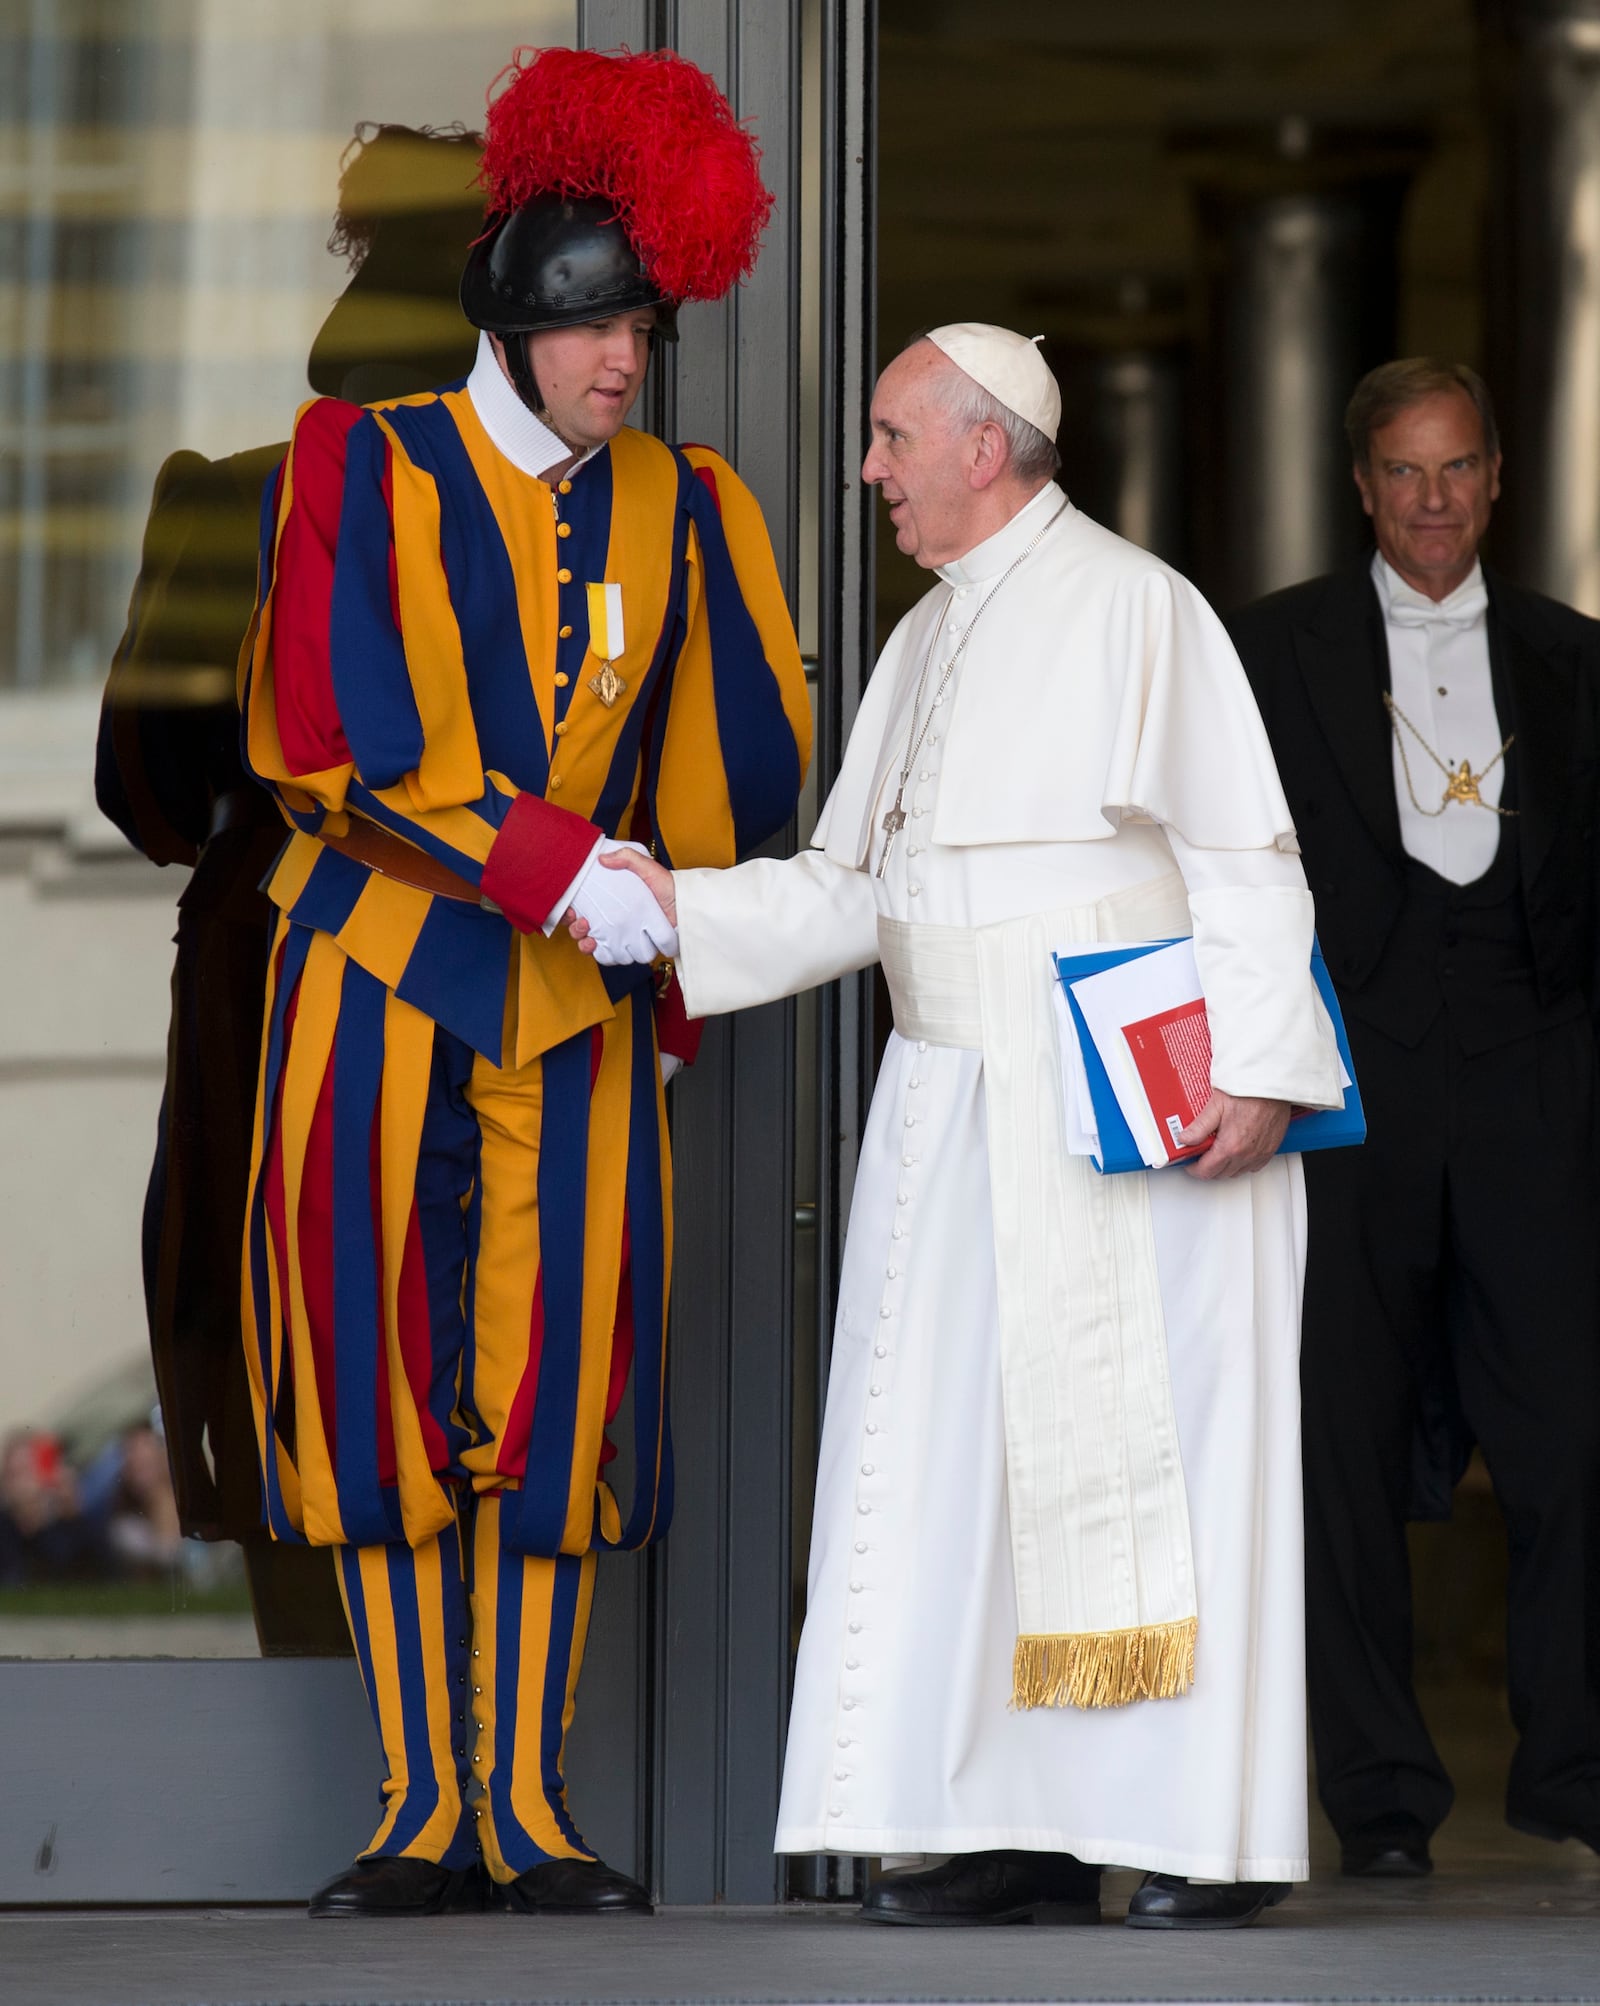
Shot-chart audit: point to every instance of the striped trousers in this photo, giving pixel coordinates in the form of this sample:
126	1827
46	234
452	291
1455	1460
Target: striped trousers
452	1271
470	1657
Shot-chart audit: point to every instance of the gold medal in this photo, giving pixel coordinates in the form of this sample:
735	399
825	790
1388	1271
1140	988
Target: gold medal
605	640
607	685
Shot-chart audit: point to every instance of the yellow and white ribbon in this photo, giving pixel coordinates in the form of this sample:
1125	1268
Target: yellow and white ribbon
605	640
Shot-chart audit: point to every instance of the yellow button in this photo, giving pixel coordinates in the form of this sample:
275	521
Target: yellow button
564	487
566	634
563	576
562	679
555	783
561	728
563	529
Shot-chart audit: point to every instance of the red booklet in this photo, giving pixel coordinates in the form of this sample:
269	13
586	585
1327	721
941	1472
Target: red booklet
1172	1055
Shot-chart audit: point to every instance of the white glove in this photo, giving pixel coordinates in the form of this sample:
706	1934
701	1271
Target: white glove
670	1062
624	919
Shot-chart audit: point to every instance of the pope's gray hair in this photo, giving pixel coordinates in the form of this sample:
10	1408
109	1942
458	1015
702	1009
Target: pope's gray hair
1030	453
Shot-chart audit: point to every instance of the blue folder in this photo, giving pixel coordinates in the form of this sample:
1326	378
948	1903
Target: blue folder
1323	1128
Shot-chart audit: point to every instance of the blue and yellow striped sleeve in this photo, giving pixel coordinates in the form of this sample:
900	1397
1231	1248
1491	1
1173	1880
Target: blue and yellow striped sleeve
354	692
736	738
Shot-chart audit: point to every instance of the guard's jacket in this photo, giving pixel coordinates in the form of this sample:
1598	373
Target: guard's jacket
421	656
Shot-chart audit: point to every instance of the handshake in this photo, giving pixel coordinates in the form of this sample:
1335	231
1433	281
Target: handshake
623	908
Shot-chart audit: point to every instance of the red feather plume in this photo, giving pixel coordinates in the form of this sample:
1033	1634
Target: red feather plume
651	133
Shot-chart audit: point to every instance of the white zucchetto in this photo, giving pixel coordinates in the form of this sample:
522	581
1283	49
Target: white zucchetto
1009	366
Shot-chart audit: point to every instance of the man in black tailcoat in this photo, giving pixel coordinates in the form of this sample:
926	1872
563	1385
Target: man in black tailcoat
1435	727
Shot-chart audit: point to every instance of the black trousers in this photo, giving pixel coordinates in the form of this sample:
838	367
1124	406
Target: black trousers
1458	1244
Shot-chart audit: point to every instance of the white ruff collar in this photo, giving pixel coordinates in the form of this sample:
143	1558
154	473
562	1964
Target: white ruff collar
527	441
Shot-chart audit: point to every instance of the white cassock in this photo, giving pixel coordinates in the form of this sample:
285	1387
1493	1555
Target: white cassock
1097	749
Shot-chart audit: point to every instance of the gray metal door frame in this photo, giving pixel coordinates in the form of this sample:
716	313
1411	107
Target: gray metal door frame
237	1781
715	1601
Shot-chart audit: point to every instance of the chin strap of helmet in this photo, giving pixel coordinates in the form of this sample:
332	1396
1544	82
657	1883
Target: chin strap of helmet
523	379
526	384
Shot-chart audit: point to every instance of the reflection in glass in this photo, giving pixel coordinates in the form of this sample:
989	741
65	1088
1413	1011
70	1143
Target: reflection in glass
167	173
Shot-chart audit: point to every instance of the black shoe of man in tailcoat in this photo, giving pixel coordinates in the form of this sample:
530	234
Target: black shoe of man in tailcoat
1002	1886
384	1886
1386	1853
575	1887
1587	1832
1168	1901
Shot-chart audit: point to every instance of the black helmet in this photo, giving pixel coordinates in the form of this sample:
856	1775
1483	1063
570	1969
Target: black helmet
559	261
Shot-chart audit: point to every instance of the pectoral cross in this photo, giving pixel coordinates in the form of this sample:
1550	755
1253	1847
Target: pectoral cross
893	823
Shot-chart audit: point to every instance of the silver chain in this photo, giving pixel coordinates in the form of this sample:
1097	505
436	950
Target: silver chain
895	819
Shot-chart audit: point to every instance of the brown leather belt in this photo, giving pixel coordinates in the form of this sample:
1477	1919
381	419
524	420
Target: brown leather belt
392	856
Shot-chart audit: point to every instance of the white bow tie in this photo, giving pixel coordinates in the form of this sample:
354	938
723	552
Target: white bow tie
1464	608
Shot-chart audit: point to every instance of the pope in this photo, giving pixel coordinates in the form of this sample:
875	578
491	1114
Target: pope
1054	1618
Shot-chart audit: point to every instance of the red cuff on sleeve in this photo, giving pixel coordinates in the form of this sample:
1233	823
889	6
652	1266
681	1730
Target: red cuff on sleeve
539	851
676	1032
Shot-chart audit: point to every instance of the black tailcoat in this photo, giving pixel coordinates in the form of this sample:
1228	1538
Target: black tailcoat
1451	1283
1318	664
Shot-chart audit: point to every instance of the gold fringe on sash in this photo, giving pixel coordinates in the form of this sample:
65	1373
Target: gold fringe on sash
1099	1668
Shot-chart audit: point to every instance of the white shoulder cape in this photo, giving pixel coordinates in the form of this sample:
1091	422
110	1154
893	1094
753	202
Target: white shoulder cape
1099	685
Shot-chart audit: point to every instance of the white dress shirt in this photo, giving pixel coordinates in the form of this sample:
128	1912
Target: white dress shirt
1439	676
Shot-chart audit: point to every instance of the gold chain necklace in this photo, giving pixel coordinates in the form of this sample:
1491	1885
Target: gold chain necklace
895	819
1461	784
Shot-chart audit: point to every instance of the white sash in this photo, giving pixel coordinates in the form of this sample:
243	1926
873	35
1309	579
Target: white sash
1099	1516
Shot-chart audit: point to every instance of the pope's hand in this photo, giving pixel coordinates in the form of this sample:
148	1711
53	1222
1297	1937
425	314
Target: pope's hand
625	903
614	915
1245	1134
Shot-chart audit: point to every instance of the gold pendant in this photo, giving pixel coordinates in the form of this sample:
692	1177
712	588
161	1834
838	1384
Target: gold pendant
608	685
1463	786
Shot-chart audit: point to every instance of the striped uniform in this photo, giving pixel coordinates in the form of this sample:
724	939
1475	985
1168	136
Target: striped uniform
458	1242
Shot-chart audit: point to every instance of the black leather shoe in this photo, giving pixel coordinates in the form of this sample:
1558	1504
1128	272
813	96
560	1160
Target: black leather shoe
1386	1856
989	1887
1539	1828
575	1887
1168	1901
399	1887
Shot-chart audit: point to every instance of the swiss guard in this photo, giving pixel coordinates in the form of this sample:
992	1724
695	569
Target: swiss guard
497	634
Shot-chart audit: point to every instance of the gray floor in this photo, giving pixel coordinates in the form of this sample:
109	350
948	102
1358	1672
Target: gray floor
1504	1918
1520	1925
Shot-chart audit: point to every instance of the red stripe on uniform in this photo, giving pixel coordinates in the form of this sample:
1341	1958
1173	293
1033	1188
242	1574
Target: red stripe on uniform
710	480
621	1340
308	715
416	1340
511	1460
